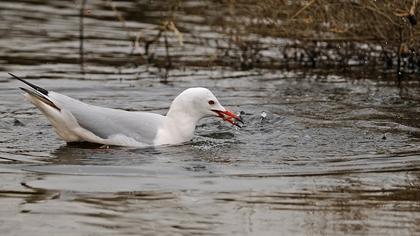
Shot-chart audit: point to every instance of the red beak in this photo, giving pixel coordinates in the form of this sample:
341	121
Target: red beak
229	117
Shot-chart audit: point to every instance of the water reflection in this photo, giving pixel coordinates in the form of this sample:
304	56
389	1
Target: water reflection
93	154
286	168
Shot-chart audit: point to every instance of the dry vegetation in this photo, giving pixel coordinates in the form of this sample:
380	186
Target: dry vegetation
343	34
329	32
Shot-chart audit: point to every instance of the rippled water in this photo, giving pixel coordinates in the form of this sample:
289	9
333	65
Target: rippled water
334	155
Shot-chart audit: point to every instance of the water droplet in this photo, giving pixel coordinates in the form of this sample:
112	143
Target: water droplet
263	115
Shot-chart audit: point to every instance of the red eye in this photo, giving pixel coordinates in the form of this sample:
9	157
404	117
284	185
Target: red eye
211	102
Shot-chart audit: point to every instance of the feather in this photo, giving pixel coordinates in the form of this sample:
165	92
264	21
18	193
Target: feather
41	97
37	88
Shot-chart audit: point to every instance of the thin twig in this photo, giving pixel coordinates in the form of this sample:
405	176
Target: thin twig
81	36
303	8
123	23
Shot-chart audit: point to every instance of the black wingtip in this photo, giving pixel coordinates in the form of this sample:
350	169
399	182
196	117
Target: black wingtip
39	89
41	97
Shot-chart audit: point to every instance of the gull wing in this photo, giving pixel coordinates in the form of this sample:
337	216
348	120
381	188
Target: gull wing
74	120
107	123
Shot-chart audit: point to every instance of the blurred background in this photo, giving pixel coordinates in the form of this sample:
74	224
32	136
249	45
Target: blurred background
159	36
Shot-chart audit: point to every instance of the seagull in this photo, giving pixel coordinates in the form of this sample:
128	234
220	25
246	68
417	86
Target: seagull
76	121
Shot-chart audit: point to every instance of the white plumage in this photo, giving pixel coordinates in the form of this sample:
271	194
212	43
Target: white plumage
76	121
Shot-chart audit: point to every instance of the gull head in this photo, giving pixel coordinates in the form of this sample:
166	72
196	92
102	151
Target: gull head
198	103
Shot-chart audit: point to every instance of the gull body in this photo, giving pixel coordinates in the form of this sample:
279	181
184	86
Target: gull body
76	121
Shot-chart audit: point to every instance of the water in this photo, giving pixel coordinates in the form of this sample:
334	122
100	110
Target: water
334	154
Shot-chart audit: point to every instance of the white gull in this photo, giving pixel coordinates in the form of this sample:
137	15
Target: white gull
76	121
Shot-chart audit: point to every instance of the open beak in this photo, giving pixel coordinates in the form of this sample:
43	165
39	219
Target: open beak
229	117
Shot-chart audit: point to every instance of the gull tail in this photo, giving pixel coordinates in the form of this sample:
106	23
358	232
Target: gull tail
64	123
37	93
